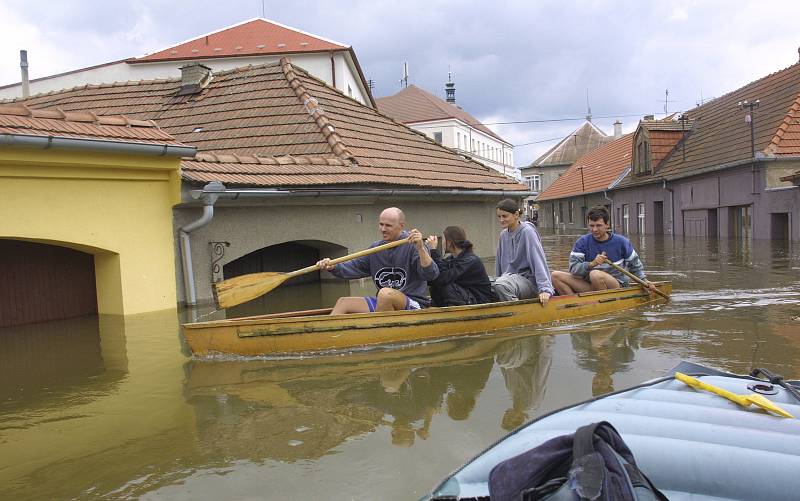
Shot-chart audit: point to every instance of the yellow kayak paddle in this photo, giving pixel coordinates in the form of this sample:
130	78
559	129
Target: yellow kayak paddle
743	400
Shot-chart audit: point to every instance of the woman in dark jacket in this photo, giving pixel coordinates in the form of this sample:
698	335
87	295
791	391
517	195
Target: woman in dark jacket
462	277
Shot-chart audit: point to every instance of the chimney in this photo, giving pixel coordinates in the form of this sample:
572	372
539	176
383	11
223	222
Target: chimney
450	89
23	66
649	117
617	129
194	78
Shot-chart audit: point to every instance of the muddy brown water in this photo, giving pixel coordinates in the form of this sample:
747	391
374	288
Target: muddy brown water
112	408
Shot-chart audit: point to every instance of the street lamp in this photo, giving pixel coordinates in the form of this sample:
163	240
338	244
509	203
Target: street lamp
750	106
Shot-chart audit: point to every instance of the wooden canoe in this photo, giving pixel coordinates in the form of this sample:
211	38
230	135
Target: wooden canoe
316	331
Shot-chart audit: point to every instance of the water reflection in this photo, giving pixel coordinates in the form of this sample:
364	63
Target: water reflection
525	365
302	409
605	353
55	363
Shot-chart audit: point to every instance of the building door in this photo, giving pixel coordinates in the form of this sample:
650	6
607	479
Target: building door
712	223
740	221
658	218
42	282
695	223
779	226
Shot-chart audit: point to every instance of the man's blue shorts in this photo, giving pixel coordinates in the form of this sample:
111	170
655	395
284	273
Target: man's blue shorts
372	302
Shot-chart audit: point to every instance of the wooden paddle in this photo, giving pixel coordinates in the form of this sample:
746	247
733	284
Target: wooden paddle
636	279
238	290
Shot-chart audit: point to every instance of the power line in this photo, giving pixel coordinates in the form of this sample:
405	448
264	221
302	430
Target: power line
561	119
537	142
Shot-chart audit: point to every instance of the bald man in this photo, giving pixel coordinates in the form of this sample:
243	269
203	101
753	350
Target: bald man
401	273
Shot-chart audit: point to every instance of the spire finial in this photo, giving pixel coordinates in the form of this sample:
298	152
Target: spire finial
588	107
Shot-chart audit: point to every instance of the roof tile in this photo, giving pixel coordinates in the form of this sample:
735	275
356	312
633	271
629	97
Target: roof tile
20	119
277	115
251	38
594	171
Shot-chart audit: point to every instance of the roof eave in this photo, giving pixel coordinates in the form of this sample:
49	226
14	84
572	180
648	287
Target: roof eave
362	77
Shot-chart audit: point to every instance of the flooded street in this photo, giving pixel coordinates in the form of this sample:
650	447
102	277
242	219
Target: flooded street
111	408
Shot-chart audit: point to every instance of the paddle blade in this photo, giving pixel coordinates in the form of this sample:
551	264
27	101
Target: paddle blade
767	405
238	290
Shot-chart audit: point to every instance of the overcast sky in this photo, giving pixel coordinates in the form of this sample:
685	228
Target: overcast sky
512	61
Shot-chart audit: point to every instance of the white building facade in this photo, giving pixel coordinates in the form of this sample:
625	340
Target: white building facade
450	126
479	146
252	42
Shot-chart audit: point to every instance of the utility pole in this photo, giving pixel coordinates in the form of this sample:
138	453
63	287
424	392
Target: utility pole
750	119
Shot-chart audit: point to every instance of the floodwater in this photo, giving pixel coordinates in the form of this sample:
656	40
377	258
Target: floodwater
113	408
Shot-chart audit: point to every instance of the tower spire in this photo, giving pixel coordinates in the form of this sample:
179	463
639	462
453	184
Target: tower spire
450	87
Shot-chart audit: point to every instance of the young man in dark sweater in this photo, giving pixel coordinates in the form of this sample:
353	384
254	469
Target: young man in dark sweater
588	268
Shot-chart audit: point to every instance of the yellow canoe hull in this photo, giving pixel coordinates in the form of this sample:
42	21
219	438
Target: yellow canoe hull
316	331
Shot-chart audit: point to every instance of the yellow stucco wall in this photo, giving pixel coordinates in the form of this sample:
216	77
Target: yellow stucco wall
117	207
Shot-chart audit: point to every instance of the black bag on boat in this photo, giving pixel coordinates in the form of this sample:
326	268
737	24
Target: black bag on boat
594	463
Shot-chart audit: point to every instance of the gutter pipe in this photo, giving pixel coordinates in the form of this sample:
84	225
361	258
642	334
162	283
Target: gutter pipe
235	194
211	193
65	143
611	200
672	205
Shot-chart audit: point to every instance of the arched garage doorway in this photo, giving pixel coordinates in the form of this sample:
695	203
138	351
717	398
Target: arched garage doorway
41	282
300	292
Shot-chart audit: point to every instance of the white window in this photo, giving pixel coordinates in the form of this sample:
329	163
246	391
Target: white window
534	182
349	91
626	219
458	140
473	145
437	136
640	213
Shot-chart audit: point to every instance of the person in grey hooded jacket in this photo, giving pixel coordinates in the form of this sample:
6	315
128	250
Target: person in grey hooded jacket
400	274
521	266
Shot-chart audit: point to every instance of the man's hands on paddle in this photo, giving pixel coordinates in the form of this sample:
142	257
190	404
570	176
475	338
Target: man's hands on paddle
544	297
325	264
598	260
415	237
651	287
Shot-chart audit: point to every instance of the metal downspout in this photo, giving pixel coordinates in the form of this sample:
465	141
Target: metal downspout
612	208
209	199
672	206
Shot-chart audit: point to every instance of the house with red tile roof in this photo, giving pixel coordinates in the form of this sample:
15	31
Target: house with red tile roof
85	218
723	169
251	42
543	171
449	125
583	185
290	169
